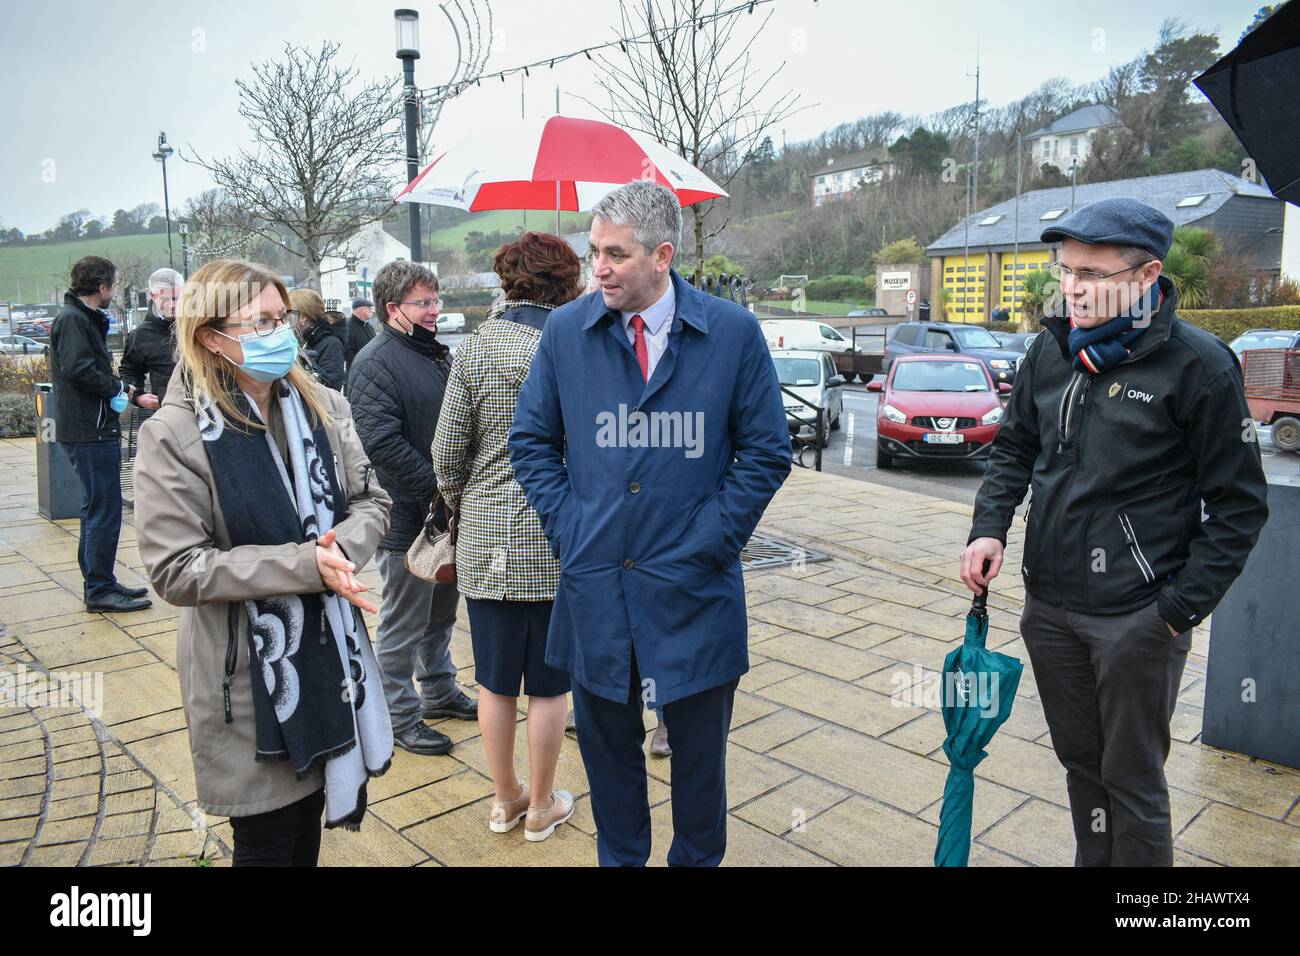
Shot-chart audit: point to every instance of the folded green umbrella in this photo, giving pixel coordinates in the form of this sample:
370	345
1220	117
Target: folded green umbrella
979	687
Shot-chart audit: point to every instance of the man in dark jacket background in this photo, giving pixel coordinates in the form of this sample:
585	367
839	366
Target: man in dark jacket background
395	387
1124	419
88	398
150	350
359	332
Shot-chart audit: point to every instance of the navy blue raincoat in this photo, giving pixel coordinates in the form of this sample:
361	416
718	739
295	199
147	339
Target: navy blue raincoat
647	491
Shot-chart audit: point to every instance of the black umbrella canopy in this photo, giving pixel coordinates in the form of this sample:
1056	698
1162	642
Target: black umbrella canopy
1256	88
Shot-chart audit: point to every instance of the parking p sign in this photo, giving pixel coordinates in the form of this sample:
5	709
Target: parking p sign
911	297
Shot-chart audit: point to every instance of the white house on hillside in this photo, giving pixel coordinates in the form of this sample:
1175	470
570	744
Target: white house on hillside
839	177
347	277
1069	140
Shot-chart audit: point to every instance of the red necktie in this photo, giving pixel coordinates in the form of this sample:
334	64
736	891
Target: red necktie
642	356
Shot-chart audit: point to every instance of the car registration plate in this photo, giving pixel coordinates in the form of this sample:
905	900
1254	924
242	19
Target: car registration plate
944	438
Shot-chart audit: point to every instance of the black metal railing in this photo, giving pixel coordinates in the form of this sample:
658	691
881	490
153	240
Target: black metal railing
132	419
800	444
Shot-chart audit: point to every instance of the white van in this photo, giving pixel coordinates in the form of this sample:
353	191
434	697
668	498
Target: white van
804	334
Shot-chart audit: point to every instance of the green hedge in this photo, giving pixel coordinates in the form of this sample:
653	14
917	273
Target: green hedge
1227	324
17	416
18	373
474	315
456	300
837	288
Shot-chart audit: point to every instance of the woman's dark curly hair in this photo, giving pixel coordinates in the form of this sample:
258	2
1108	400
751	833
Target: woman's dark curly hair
540	267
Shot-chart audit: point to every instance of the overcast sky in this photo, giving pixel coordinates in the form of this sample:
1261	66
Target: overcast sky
88	84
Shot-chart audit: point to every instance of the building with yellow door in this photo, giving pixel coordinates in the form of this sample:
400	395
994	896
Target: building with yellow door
982	261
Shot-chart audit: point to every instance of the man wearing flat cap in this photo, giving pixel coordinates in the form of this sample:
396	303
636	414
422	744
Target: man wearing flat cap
1124	420
359	331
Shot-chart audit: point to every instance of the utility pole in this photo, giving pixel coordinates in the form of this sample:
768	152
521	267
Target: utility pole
973	178
1015	235
975	182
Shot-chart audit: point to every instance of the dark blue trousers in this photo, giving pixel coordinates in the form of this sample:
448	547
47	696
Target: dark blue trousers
611	738
99	466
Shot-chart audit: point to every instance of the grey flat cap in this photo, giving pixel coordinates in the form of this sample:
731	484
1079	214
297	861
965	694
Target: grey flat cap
1121	222
362	303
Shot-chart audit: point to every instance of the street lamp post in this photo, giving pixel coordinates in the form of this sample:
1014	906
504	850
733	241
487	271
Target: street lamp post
407	26
183	228
161	154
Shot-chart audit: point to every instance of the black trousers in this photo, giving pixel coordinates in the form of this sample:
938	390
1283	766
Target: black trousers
1108	686
611	737
289	836
99	466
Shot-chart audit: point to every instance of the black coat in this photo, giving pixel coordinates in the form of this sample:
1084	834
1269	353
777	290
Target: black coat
150	351
359	334
1119	463
325	350
81	370
340	331
395	387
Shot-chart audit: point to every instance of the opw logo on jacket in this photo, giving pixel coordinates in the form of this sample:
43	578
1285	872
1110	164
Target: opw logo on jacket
1116	389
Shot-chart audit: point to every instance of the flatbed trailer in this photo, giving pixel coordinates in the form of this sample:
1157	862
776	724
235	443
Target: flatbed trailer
1272	379
868	356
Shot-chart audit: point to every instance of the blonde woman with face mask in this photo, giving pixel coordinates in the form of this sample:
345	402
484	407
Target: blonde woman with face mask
255	508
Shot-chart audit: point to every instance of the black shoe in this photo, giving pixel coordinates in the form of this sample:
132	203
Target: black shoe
132	592
118	603
422	739
462	707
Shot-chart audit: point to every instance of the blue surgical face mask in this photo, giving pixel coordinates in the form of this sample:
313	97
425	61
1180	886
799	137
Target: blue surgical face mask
267	357
118	402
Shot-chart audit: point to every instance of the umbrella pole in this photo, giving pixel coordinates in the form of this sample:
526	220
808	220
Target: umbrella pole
557	207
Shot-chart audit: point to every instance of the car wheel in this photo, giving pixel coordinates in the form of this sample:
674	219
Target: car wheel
835	425
1286	434
883	460
865	377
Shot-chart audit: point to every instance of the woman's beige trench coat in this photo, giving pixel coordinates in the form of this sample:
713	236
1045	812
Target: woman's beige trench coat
185	546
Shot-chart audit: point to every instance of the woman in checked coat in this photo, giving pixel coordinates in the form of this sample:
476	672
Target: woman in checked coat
504	565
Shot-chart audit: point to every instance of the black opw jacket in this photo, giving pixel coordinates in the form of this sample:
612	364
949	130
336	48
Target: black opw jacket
1120	463
395	387
81	370
150	350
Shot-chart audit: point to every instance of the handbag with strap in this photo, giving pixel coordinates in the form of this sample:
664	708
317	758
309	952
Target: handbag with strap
432	555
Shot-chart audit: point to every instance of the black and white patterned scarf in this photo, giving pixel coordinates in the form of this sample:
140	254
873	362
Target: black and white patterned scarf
317	695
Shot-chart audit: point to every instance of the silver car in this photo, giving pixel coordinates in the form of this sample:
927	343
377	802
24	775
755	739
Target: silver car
812	378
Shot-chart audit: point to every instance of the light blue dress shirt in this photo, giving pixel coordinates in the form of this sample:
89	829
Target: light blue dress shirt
658	320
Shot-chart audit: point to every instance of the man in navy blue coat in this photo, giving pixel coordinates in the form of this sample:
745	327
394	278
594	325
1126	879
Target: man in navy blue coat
650	435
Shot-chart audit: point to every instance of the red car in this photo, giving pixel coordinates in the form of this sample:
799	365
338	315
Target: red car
938	408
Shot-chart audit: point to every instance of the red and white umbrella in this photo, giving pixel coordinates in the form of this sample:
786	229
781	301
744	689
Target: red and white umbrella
560	163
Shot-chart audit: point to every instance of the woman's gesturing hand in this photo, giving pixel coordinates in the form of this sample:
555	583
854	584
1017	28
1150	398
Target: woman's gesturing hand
336	571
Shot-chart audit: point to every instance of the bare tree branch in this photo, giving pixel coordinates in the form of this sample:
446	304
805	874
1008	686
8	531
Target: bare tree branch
323	160
694	89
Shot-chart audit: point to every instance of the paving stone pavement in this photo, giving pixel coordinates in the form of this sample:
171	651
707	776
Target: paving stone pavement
835	754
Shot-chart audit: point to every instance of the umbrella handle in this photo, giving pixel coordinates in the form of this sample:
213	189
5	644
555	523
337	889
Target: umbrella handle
980	604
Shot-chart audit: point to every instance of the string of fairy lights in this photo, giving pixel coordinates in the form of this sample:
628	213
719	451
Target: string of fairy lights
456	87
